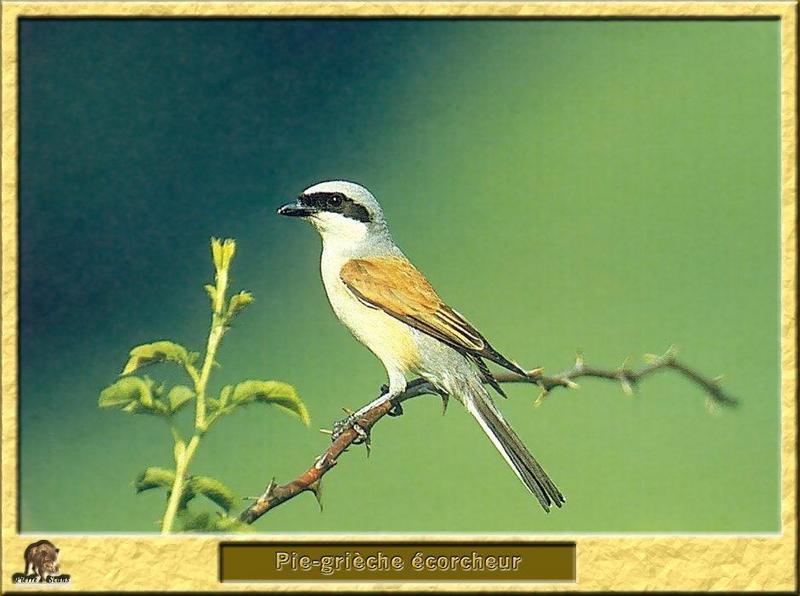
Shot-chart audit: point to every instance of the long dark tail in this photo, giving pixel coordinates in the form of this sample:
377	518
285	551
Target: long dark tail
481	406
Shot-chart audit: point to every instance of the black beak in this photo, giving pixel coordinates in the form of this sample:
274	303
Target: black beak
296	210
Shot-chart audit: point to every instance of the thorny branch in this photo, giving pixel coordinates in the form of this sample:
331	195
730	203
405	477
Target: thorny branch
628	378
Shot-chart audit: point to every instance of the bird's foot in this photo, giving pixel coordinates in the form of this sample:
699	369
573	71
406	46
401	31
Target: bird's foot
351	422
397	410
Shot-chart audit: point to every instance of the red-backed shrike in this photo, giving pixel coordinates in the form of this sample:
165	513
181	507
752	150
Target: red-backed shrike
391	308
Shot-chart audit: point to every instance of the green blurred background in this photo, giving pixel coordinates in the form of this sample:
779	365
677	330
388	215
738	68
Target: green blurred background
608	186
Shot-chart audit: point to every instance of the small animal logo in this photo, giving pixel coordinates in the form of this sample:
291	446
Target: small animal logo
41	565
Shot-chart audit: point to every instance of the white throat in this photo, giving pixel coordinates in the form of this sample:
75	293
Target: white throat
344	238
339	233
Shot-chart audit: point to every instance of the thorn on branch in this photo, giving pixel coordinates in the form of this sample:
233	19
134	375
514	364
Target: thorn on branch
316	488
270	490
541	397
627	386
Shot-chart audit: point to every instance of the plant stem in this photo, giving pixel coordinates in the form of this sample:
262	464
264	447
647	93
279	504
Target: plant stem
214	337
218	328
183	455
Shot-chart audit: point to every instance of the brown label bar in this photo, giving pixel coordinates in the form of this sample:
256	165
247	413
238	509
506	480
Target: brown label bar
401	561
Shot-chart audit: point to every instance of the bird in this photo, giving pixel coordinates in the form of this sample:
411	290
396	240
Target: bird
391	308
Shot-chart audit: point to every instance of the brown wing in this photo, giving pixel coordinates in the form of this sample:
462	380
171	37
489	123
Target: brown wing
394	286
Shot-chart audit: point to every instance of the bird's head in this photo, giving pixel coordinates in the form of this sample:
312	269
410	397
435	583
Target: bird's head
341	211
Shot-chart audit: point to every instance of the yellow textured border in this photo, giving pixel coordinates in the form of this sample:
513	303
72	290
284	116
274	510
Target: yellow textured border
139	562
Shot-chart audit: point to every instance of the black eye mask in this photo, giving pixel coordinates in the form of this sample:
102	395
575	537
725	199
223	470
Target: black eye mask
335	202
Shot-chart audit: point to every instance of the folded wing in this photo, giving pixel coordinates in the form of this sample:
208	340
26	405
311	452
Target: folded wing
393	285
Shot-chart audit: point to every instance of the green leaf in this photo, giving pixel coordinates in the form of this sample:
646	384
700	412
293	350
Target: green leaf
216	253
225	523
238	303
211	522
211	291
212	489
222	251
228	250
198	522
154	477
134	395
225	395
159	351
178	397
132	408
126	392
275	393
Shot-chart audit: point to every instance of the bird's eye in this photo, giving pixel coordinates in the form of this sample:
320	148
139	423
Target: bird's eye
335	200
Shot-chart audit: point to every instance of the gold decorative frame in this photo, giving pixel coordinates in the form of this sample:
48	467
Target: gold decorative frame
630	563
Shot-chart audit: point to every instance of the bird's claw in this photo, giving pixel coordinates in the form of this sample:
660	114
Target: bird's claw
362	434
342	426
397	410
